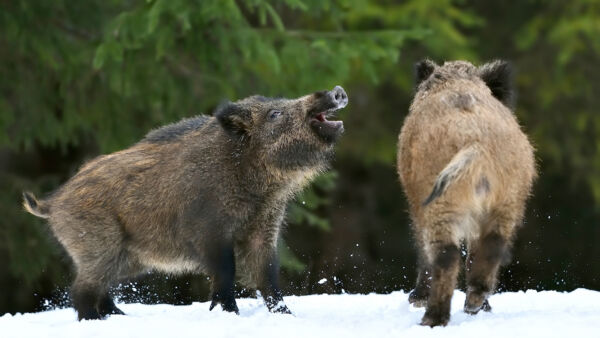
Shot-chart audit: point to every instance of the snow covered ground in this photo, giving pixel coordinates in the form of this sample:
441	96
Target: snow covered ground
514	314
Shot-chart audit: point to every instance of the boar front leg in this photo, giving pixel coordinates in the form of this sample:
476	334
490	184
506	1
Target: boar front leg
269	285
221	263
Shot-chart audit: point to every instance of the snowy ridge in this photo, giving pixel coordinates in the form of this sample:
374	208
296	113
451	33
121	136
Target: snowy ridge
514	314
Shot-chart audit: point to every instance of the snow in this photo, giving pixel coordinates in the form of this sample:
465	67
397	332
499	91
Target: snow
514	314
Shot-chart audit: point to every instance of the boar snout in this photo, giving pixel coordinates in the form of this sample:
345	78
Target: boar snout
338	97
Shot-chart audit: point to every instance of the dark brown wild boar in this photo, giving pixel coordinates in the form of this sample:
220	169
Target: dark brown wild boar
467	170
204	195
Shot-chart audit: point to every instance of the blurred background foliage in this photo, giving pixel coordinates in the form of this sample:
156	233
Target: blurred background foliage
82	78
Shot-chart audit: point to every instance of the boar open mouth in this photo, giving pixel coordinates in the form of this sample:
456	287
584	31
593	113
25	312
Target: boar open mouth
327	129
329	103
323	118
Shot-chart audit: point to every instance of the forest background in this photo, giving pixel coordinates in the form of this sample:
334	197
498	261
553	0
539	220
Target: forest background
83	78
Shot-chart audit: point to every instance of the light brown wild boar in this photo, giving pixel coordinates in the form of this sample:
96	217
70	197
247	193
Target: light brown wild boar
205	195
467	171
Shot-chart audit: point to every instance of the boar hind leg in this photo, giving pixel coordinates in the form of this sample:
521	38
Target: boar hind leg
85	295
221	259
269	285
482	265
444	258
89	291
418	297
106	306
90	297
126	268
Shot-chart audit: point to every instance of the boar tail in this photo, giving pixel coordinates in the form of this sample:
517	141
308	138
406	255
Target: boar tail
34	207
459	164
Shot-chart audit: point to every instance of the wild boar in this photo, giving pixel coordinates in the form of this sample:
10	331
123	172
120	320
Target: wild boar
205	195
467	170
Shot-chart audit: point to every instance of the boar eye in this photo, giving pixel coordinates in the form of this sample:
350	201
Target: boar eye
273	114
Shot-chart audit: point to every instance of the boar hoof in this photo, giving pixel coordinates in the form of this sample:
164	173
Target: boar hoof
476	301
228	305
417	298
435	318
88	315
281	309
473	309
486	306
108	307
112	311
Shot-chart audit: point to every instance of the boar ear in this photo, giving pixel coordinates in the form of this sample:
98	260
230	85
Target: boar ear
498	76
423	69
233	118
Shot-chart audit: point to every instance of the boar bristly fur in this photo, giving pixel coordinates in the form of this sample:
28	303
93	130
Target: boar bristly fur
204	195
467	171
